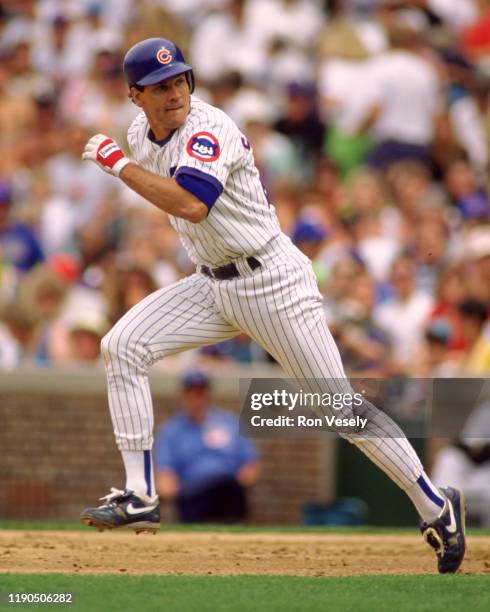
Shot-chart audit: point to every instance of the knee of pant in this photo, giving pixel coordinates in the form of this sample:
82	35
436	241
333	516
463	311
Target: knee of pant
122	346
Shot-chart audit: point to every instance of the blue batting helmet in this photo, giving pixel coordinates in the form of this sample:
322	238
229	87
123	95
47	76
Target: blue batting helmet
154	60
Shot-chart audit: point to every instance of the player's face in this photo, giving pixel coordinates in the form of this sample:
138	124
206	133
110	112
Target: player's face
166	104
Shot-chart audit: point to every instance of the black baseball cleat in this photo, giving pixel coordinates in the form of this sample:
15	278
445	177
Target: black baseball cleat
446	535
124	509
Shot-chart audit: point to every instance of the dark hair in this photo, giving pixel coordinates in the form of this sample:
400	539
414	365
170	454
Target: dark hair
473	309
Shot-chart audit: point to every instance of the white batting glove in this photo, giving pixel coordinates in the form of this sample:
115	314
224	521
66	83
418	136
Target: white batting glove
106	153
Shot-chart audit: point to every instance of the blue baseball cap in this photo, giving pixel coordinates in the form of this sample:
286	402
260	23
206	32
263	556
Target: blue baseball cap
195	378
474	206
438	330
308	229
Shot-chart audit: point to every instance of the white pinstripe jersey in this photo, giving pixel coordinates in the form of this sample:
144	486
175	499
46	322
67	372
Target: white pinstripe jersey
242	221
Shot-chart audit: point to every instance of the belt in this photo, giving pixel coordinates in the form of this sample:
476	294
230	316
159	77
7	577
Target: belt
229	270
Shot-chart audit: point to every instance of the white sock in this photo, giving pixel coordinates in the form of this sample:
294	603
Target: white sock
139	472
426	498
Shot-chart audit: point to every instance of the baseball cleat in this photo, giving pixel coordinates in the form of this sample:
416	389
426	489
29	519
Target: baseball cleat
124	509
446	535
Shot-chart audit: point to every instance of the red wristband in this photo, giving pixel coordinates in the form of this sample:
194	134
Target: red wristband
109	153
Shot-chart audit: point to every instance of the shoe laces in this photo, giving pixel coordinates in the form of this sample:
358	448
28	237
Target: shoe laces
111	497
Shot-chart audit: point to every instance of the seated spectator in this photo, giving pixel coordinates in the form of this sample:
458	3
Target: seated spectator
18	335
86	334
301	122
126	288
202	463
449	293
403	317
18	244
309	235
436	360
43	295
466	463
365	347
476	332
467	195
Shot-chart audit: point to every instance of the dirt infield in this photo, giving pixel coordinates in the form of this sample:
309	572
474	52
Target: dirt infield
225	554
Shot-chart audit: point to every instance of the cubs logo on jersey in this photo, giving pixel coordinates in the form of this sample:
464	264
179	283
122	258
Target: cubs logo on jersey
164	56
204	147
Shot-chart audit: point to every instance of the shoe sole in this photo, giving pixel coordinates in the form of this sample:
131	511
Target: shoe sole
140	527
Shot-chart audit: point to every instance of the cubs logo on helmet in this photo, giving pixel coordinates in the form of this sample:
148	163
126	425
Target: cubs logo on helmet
164	56
204	147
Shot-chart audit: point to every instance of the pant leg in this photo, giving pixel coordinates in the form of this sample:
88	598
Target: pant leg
222	501
280	307
170	320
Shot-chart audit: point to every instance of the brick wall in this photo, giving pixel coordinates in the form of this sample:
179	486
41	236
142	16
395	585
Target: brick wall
58	452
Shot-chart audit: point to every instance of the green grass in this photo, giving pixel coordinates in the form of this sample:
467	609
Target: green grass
367	529
257	593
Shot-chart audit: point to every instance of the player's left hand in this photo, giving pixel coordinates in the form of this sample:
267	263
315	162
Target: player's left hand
106	153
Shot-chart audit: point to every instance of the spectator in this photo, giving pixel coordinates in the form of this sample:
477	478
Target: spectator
302	124
18	243
126	288
242	37
408	305
202	463
436	360
476	36
466	463
86	334
450	292
467	122
466	194
365	346
17	335
43	294
476	332
275	154
407	94
430	253
309	235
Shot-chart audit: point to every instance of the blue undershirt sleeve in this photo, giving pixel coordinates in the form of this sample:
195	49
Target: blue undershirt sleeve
205	187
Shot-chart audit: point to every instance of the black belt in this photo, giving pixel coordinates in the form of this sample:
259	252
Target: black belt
230	270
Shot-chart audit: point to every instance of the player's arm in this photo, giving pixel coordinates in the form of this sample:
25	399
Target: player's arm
165	193
248	474
167	484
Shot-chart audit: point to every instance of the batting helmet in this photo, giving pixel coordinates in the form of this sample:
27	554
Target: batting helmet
154	60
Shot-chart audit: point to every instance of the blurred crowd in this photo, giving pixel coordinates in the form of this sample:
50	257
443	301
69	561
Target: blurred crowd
370	124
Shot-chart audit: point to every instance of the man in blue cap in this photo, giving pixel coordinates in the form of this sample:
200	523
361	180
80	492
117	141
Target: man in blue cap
18	243
201	462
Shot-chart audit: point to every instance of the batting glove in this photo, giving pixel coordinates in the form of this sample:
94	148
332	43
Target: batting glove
106	153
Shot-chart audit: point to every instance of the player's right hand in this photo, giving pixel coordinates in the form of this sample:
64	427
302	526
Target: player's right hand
106	153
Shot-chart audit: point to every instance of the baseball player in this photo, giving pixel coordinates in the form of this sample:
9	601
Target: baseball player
192	162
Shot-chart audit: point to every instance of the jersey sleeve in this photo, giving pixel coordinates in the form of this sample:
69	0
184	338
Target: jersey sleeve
132	135
211	148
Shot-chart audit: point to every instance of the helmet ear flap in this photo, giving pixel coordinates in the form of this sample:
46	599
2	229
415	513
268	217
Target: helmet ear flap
190	80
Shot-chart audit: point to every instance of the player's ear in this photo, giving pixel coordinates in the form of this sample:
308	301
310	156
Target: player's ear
135	96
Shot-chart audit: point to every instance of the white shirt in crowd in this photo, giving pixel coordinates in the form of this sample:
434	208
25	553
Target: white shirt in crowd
408	89
413	314
347	93
456	13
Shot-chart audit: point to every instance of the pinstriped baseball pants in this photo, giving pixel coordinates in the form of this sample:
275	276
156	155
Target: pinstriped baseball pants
279	306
